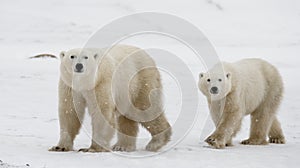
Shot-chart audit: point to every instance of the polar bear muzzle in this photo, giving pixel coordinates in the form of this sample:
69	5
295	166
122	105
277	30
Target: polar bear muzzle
79	68
214	90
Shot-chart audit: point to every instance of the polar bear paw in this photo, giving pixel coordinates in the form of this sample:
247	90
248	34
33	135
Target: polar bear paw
277	140
216	141
156	143
93	150
60	149
254	142
123	148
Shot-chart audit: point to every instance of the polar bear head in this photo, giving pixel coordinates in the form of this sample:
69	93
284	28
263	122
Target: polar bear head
215	85
78	66
79	61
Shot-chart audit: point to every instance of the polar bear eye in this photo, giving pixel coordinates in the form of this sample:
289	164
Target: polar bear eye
86	57
72	56
220	80
208	80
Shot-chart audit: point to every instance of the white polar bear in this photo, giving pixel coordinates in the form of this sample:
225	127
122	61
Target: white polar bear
233	90
120	83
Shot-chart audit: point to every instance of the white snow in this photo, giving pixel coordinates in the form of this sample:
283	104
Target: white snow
268	29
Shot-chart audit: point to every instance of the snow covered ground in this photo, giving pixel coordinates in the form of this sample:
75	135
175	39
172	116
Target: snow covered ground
268	29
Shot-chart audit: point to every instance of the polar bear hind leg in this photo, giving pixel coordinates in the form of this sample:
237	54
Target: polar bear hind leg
261	120
264	121
276	134
127	132
150	97
160	131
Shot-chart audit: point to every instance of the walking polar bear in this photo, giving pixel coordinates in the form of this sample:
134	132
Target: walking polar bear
233	90
121	87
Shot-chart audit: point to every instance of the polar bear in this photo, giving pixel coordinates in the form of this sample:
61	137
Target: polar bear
121	87
233	90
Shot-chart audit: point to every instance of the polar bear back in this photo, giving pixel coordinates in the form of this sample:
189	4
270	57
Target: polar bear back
130	69
255	79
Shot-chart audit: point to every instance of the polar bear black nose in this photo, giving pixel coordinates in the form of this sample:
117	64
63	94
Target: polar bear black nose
214	90
78	67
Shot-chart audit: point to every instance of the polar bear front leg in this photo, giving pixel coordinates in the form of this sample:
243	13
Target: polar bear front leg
71	112
102	131
101	110
229	124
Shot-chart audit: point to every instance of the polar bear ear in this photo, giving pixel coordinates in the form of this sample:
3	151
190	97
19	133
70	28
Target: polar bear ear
62	54
201	75
228	75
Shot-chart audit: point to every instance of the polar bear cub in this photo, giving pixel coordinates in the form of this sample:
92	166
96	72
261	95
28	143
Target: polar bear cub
121	87
233	90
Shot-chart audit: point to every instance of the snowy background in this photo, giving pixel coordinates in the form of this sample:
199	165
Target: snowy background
268	29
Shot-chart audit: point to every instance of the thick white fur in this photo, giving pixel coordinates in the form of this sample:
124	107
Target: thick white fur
117	85
249	86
